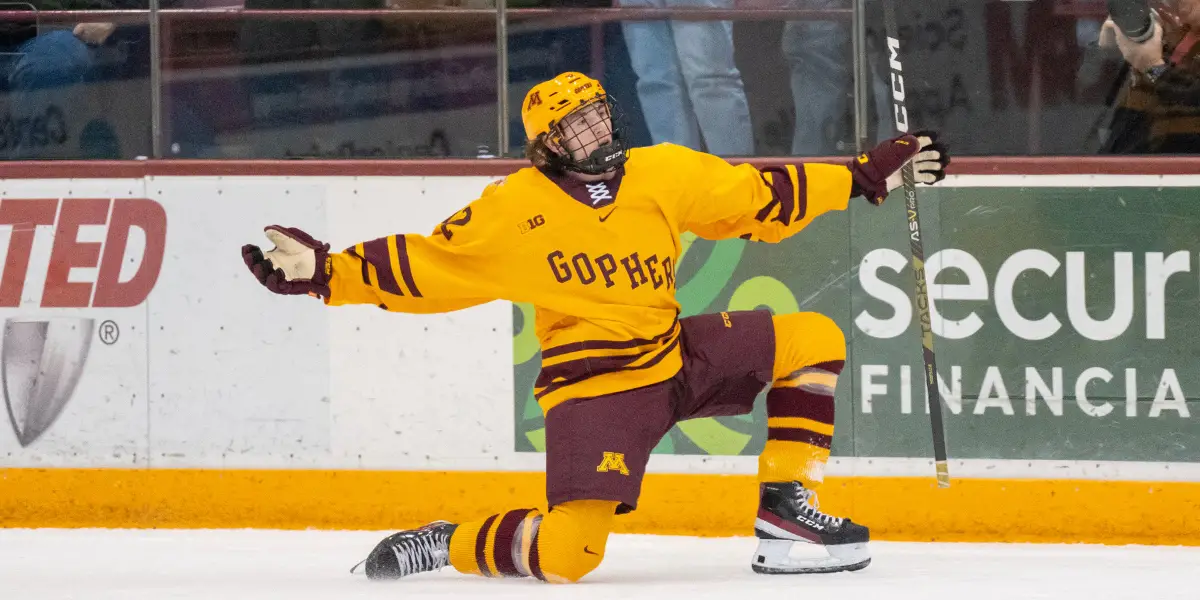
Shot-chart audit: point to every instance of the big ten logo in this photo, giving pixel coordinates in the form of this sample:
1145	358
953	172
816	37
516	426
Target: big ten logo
127	262
531	224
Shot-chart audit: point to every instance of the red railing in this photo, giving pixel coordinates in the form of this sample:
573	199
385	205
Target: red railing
68	169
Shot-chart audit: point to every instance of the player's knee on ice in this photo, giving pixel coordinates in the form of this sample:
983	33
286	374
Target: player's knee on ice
573	537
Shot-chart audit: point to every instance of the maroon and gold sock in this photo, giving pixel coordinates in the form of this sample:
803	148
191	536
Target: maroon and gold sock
800	426
498	546
810	353
559	547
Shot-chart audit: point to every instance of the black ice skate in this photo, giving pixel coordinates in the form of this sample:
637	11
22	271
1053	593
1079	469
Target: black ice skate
409	552
788	513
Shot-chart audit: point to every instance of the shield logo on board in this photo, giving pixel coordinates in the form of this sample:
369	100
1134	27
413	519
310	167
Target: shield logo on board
41	361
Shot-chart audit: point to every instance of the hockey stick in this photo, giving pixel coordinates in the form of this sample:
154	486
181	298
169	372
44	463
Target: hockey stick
918	249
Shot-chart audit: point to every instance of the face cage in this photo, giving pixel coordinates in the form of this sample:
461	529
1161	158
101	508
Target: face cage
607	157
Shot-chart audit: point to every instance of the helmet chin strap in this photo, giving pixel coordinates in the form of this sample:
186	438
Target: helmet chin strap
606	158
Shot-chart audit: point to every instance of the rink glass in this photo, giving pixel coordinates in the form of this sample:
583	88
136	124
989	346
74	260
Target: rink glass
438	78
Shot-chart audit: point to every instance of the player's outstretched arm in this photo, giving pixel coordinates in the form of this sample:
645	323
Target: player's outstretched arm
775	202
448	270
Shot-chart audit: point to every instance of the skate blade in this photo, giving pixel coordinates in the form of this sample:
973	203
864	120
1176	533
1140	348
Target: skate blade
814	570
773	558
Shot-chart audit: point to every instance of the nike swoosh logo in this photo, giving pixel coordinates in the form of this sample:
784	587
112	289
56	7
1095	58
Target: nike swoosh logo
587	550
605	217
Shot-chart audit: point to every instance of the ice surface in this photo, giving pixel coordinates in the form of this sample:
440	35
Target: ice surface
306	565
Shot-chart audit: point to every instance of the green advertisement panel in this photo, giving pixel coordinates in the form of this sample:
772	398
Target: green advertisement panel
1066	320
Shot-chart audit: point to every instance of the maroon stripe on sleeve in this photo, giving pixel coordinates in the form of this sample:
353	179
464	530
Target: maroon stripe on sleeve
782	189
481	547
405	267
781	194
766	211
790	434
502	550
796	402
366	274
376	252
802	197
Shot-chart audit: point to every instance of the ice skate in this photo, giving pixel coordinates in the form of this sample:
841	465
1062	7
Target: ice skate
409	552
788	513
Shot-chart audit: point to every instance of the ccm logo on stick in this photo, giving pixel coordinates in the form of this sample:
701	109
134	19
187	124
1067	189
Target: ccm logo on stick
897	84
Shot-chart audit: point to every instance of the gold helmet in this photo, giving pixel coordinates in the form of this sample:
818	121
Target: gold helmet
549	102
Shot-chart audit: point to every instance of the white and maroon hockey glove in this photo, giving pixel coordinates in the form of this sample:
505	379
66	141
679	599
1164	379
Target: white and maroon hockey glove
877	171
290	267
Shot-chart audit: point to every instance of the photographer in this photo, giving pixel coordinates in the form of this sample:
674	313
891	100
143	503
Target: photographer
1159	110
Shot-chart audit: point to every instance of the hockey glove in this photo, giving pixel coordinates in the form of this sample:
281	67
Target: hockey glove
877	172
291	266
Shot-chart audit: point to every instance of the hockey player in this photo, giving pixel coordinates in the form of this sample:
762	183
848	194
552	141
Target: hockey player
589	234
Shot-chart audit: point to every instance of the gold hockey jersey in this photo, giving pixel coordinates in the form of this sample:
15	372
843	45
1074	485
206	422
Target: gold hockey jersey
597	260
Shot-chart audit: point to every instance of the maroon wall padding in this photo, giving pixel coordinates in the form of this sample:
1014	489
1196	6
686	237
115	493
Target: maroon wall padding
1017	165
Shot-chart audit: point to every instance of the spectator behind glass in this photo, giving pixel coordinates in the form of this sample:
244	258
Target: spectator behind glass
45	69
1159	109
820	61
310	54
690	90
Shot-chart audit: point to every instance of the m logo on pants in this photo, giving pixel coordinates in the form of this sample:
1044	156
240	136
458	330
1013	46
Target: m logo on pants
613	461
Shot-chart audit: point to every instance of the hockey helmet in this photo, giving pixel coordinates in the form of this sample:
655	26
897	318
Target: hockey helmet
549	103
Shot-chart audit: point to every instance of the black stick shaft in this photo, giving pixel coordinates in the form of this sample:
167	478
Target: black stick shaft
915	237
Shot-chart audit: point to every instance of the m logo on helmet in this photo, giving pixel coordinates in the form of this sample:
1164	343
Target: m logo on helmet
613	461
534	100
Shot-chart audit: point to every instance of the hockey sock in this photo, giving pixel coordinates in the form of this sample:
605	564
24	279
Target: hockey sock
498	546
810	351
558	547
573	538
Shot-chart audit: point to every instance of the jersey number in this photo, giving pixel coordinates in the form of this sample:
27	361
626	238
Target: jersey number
458	219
